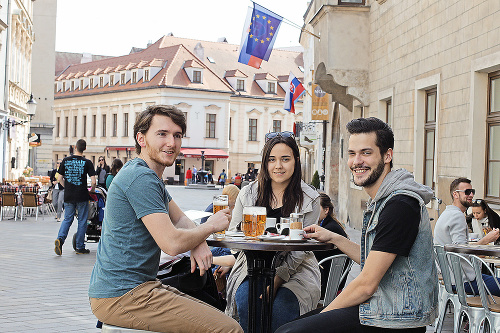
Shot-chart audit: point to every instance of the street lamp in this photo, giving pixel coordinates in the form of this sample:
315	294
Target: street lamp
30	111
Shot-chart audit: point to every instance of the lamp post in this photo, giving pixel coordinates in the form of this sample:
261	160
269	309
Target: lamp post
31	107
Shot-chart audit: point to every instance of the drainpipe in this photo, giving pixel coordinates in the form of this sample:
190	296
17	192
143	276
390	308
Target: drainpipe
6	90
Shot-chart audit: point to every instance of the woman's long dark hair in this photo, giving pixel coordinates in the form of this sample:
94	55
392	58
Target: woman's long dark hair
493	218
325	201
293	195
116	165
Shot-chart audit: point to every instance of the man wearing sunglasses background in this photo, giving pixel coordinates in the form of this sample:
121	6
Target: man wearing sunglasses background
451	227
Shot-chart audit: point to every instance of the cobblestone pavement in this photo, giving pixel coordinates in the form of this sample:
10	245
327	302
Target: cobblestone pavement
43	292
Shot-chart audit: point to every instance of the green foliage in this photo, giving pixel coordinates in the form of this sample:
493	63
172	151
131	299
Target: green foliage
315	180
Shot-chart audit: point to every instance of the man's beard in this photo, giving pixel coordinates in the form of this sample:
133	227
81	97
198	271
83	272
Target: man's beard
375	175
465	203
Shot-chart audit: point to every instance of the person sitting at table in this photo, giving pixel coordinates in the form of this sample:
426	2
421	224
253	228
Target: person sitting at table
451	228
280	189
328	221
484	218
116	165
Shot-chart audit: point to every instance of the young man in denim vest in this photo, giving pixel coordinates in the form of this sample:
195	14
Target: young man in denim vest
397	288
140	219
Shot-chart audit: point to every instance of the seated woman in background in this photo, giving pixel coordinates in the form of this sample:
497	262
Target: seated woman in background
280	189
116	165
328	221
484	218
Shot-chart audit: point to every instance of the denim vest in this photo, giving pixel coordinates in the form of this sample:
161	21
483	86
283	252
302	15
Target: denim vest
407	294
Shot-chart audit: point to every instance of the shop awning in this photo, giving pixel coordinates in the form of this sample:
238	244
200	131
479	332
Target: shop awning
209	153
120	148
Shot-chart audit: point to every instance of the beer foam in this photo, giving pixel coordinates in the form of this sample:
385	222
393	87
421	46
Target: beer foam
220	202
253	210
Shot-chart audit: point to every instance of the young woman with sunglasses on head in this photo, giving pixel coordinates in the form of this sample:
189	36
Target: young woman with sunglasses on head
280	189
484	218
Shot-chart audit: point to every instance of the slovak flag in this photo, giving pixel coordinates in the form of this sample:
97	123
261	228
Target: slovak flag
295	91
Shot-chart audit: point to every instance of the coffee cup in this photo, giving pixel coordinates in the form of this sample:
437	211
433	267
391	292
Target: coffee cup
283	226
473	236
296	234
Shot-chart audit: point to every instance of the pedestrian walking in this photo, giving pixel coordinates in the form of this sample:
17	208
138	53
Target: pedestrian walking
73	173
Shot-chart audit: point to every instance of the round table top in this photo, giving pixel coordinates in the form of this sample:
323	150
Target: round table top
238	243
485	250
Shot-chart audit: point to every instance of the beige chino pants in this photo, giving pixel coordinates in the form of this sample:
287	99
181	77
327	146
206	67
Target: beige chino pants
153	306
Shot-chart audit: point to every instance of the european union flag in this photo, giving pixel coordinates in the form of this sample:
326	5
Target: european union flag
260	36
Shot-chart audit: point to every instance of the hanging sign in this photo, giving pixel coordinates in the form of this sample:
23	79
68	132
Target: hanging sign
34	140
320	104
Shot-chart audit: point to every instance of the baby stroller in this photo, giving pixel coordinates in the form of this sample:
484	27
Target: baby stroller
97	202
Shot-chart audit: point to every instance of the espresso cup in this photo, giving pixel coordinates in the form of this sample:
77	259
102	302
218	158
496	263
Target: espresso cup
296	234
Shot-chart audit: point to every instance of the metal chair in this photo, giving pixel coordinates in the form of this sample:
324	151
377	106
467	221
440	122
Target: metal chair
340	266
446	292
8	202
470	307
491	303
29	202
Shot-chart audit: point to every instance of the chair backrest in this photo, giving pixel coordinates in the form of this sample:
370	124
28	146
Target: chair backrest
29	199
444	267
457	260
339	268
8	199
487	298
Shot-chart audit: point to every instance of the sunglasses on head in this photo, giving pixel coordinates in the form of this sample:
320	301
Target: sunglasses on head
467	191
477	201
285	134
101	160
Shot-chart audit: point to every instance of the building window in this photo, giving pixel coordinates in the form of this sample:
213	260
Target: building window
64	87
186	118
271	88
252	130
493	139
230	127
111	80
240	85
196	76
103	125
276	126
115	124
91	84
84	128
210	125
66	126
351	2
146	75
94	125
72	85
81	85
101	82
134	77
388	112
429	136
55	88
75	123
122	78
125	124
58	126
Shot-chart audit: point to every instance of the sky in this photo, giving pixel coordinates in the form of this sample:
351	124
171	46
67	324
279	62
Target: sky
113	27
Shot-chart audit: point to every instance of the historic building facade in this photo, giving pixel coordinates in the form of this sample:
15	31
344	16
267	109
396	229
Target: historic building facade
228	106
428	68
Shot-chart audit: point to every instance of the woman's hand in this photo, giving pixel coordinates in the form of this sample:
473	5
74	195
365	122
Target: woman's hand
318	233
222	271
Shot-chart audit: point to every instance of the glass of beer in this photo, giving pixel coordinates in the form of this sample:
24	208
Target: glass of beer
220	202
254	221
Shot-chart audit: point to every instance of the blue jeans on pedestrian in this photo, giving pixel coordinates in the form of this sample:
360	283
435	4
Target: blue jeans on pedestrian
490	283
285	307
70	208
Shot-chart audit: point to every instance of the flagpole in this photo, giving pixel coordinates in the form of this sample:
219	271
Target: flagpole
287	21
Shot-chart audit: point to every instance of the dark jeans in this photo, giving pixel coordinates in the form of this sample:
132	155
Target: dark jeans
285	307
490	283
339	320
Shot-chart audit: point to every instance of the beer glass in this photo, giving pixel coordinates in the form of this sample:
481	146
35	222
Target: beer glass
220	202
254	221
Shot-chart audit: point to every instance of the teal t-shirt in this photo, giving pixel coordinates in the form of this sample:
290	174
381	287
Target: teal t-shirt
127	254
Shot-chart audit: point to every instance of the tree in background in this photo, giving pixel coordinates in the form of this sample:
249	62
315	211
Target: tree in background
315	180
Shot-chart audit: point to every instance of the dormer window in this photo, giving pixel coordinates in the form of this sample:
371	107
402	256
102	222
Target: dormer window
240	85
72	85
81	84
101	82
196	76
271	88
122	78
64	87
111	80
146	75
91	85
134	77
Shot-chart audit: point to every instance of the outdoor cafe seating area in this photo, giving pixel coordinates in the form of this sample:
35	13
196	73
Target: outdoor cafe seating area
25	197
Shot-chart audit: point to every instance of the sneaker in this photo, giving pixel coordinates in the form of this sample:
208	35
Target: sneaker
58	246
82	251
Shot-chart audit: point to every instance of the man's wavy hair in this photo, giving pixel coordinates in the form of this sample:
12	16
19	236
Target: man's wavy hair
144	119
385	136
